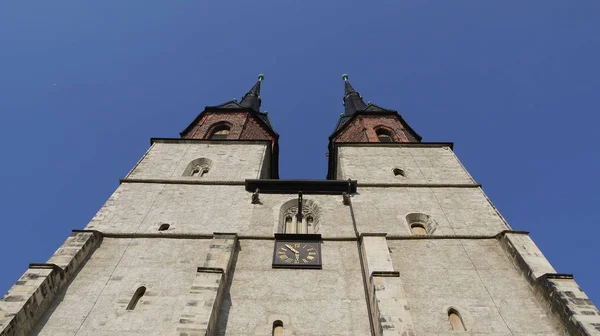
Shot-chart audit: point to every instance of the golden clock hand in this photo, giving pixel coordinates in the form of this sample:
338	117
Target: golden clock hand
291	248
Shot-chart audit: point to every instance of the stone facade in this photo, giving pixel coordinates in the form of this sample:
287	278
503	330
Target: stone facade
210	271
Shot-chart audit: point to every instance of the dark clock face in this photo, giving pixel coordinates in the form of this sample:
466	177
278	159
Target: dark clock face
292	254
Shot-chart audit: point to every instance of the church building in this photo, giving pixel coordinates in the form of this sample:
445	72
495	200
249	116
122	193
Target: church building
202	238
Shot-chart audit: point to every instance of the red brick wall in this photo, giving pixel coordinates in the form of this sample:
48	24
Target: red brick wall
253	131
362	129
243	126
235	119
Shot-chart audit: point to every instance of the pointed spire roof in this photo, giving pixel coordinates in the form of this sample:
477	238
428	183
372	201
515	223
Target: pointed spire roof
353	103
251	101
352	100
252	98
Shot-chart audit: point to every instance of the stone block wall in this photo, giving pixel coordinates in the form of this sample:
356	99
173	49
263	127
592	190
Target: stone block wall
33	293
561	294
234	161
421	164
201	311
473	277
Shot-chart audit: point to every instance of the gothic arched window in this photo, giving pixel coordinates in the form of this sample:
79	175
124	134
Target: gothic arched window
384	135
219	132
293	222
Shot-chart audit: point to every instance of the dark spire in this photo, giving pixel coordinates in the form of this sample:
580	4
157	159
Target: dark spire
352	100
252	98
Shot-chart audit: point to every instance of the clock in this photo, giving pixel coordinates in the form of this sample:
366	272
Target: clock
297	251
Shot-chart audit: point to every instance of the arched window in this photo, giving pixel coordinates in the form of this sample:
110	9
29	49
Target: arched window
219	132
418	229
398	172
163	227
289	223
292	222
277	328
384	135
136	297
455	320
420	224
198	167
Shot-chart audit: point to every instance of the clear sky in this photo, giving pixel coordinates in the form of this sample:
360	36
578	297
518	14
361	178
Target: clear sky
84	85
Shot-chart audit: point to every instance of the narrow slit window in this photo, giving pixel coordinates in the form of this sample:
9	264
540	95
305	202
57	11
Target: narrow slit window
136	298
195	171
289	224
277	328
163	227
456	321
398	172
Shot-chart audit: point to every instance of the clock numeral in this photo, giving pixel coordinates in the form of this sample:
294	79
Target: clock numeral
305	261
310	257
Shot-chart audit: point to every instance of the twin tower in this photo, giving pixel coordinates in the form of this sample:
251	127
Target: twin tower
202	238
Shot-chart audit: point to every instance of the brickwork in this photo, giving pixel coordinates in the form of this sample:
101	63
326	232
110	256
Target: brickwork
363	129
243	126
253	131
235	119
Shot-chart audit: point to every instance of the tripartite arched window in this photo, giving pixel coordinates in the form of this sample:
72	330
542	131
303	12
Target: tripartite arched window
384	135
219	131
455	320
198	167
305	222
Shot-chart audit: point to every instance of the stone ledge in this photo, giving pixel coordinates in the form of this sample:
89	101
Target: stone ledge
420	185
180	181
168	235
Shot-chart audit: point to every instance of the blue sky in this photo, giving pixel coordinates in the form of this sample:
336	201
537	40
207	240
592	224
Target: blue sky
514	84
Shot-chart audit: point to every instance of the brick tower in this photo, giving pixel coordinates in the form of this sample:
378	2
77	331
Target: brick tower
203	238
